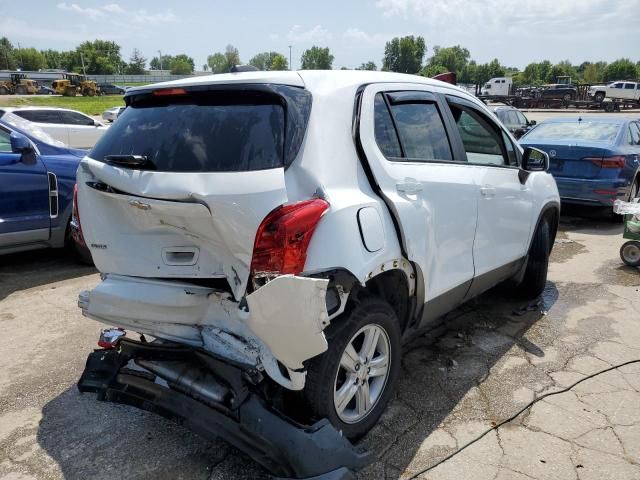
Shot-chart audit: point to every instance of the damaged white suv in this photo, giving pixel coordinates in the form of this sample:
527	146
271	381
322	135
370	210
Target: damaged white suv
279	235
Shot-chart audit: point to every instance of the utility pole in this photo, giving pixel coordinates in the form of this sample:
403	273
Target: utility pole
290	65
84	70
160	57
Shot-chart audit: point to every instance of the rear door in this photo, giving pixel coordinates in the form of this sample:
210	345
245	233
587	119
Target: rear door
426	182
83	130
505	204
24	209
214	169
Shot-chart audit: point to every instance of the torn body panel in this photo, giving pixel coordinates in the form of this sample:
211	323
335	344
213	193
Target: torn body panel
271	331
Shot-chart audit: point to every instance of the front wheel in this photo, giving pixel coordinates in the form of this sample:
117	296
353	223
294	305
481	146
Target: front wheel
630	253
599	97
567	97
352	382
535	276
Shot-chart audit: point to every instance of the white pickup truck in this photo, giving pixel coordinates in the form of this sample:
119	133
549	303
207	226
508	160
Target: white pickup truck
616	90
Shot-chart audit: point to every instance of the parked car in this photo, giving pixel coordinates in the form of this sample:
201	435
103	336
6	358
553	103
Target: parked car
593	159
615	90
300	258
112	113
557	91
37	174
514	120
69	126
110	89
43	90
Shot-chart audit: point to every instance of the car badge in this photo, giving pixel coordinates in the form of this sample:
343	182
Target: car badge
552	153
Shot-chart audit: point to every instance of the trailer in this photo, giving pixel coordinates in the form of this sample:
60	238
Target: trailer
608	105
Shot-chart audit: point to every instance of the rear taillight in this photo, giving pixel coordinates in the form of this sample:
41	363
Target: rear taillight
76	230
167	92
617	161
283	237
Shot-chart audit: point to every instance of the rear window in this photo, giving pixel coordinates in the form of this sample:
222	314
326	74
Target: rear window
588	131
226	130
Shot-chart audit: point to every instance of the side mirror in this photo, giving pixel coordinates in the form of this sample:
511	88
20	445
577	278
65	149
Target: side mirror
20	143
535	160
98	124
532	122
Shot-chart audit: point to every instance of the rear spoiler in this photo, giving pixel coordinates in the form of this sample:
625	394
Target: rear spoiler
449	77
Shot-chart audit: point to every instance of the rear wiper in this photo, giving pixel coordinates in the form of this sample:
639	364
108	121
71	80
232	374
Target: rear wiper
132	161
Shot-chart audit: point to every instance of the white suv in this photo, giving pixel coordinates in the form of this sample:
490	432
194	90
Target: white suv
304	225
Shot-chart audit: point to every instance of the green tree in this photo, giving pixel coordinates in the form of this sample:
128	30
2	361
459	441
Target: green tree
622	69
316	58
232	55
368	66
205	67
279	62
590	73
29	59
217	63
137	63
404	54
453	59
155	63
101	56
182	64
433	70
269	61
7	58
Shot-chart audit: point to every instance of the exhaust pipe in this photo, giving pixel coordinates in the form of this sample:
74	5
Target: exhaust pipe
190	380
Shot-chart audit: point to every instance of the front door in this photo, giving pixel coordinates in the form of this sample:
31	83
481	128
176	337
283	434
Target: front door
504	202
426	183
24	205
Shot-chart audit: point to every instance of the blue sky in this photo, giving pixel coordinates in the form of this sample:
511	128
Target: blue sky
515	31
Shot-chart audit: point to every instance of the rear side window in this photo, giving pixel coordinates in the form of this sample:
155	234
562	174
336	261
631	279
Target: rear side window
39	116
5	141
421	135
629	86
212	130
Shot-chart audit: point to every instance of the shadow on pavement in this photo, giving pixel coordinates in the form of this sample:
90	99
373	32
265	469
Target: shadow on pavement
440	373
25	270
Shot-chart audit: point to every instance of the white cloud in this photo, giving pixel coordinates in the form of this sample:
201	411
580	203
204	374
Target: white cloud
144	17
92	13
19	29
314	34
533	17
371	38
113	8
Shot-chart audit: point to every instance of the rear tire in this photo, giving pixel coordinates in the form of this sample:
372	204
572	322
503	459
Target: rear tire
535	276
352	382
599	97
4	90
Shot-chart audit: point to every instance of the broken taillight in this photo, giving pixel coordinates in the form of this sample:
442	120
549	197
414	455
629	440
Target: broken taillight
110	337
283	237
76	230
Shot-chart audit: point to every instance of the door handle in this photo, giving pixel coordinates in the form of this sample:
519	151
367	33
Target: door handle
487	191
409	186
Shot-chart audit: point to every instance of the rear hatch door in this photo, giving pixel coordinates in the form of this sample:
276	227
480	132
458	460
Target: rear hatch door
178	187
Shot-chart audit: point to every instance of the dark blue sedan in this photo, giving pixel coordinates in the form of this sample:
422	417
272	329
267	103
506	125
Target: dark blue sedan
37	176
594	160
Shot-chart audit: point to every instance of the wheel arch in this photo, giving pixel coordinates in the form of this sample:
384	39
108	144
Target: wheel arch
551	213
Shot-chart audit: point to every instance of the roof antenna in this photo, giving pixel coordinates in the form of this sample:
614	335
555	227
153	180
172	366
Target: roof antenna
579	119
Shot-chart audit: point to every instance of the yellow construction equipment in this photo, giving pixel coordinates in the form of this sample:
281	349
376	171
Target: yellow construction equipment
19	84
74	84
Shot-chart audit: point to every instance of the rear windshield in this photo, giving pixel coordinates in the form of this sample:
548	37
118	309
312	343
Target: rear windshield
210	131
587	131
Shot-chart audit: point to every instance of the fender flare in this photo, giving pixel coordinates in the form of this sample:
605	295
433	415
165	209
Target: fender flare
544	211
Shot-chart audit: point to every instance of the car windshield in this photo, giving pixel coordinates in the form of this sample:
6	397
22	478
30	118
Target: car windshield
601	132
30	129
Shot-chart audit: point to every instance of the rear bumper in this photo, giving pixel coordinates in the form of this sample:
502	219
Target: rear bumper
233	412
596	192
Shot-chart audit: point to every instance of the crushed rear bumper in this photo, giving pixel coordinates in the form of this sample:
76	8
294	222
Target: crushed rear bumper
226	409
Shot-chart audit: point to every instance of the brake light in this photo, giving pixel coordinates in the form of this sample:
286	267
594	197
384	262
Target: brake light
165	92
617	161
283	237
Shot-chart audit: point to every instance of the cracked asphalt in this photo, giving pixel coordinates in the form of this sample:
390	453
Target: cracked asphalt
481	365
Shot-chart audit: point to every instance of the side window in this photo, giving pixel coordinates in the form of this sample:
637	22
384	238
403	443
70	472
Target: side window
483	143
73	118
39	116
629	86
5	141
522	120
385	133
511	149
617	85
421	131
